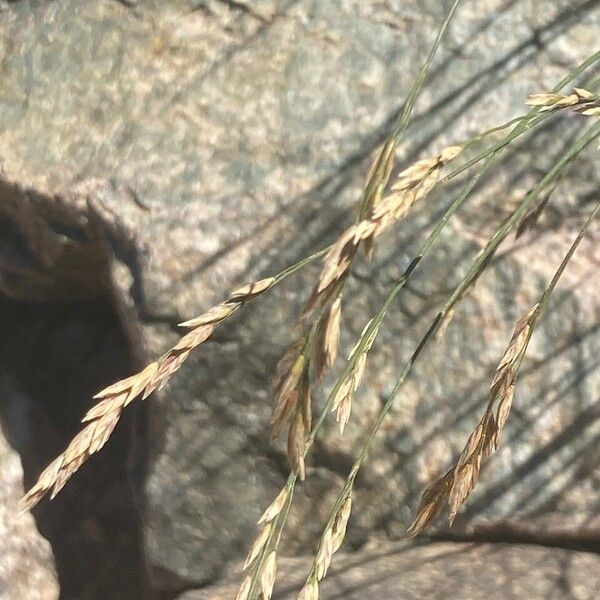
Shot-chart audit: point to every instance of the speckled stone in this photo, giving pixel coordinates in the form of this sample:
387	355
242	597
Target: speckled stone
202	146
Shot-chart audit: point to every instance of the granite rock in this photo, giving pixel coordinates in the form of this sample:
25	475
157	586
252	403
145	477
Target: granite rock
169	152
26	563
440	571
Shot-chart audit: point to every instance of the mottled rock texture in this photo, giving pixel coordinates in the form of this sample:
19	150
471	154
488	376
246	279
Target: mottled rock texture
26	561
167	152
442	572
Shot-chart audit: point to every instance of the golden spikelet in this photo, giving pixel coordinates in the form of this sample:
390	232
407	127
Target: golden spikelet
286	395
296	439
325	554
456	485
581	100
340	524
100	423
244	590
251	290
332	539
431	503
328	338
343	412
342	401
268	575
310	591
259	544
275	508
412	184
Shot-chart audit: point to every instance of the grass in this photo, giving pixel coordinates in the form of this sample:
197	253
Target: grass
314	352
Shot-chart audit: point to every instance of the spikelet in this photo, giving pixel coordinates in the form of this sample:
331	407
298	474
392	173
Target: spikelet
340	524
259	544
328	338
244	590
103	417
325	554
310	591
296	439
286	394
332	539
342	401
100	423
581	100
275	508
431	503
268	575
456	485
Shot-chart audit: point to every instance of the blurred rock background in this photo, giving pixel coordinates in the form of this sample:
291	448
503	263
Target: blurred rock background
153	156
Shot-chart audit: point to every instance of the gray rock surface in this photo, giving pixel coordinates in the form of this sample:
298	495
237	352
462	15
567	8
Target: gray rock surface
26	562
441	572
201	145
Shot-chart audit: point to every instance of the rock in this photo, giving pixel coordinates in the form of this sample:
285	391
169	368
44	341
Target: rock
171	152
26	565
440	571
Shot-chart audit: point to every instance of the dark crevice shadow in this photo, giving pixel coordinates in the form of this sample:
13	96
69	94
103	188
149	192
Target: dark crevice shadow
53	358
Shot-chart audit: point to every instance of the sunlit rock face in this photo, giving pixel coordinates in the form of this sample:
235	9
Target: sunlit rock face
167	152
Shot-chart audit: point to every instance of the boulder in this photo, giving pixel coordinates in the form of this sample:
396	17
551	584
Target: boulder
165	153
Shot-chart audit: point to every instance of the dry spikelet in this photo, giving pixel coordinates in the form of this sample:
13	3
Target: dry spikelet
286	395
344	390
296	438
431	503
332	539
581	99
102	418
328	338
244	590
343	412
101	421
213	315
251	290
258	545
358	371
286	361
342	401
504	405
310	591
325	554
267	576
591	112
340	524
338	259
275	508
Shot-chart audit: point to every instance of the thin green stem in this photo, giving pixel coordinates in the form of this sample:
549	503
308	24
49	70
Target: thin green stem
548	291
378	180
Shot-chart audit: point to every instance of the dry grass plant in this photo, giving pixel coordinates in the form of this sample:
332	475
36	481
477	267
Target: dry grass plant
316	348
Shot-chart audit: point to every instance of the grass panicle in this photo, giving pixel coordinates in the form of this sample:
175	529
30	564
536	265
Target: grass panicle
455	486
